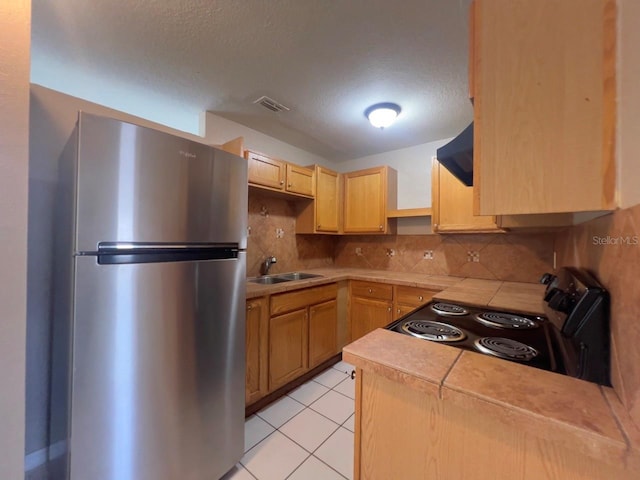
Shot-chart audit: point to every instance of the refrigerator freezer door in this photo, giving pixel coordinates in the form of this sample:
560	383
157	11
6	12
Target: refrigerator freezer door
135	184
158	370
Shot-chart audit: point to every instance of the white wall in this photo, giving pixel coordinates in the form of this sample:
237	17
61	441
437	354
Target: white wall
136	100
15	31
629	102
414	171
217	130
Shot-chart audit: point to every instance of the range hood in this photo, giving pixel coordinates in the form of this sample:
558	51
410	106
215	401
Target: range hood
457	156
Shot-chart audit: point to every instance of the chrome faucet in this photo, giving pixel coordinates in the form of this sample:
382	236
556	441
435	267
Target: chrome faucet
266	265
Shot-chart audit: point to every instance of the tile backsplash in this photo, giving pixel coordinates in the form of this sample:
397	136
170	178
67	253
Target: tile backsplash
512	257
272	232
609	247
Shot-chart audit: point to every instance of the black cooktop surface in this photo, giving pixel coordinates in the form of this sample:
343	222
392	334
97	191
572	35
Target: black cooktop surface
511	336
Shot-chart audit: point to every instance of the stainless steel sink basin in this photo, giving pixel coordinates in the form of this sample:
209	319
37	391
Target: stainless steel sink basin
283	277
269	280
297	276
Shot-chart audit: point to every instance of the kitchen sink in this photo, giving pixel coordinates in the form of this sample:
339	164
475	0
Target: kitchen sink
283	277
297	276
269	280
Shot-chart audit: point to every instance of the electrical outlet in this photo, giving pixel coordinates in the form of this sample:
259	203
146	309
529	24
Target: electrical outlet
428	255
279	233
473	256
359	252
391	252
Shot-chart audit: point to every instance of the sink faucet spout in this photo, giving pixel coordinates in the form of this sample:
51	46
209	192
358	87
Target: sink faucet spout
266	265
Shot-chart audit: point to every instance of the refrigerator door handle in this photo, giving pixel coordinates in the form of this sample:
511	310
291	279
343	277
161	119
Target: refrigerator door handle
110	253
105	247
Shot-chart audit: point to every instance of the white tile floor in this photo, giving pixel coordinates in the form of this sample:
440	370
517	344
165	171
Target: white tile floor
305	435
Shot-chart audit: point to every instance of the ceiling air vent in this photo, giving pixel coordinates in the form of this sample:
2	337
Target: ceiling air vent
271	104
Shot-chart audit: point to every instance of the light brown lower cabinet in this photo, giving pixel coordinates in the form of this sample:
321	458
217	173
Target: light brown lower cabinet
298	333
405	432
375	305
288	347
322	332
257	344
407	299
368	314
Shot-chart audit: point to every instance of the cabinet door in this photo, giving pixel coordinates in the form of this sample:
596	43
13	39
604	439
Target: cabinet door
327	200
365	201
265	171
544	106
288	347
452	205
407	299
401	310
367	315
257	338
299	180
323	320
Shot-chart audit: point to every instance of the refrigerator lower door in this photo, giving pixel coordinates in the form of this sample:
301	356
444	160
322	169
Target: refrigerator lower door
158	370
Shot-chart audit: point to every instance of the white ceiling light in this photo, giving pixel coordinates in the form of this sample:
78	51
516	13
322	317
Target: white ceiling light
382	115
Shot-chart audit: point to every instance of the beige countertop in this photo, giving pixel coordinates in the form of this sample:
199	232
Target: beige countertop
571	412
330	275
515	296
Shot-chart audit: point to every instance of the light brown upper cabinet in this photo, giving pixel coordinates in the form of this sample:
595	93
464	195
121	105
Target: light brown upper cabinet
265	171
323	215
452	210
452	205
278	175
299	180
368	195
544	90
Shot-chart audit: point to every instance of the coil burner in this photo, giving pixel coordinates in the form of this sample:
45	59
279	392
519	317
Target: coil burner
435	331
449	309
505	320
505	348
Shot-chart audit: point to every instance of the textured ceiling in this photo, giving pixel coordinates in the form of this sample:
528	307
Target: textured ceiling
327	60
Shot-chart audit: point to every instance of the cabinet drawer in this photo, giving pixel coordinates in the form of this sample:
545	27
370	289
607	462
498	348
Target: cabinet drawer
413	296
372	290
287	302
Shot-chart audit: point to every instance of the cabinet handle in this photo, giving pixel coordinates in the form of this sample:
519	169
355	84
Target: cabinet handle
249	307
398	310
370	291
319	225
281	182
388	309
289	185
420	298
380	227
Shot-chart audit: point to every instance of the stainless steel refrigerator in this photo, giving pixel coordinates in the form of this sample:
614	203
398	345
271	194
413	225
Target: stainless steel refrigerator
150	304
